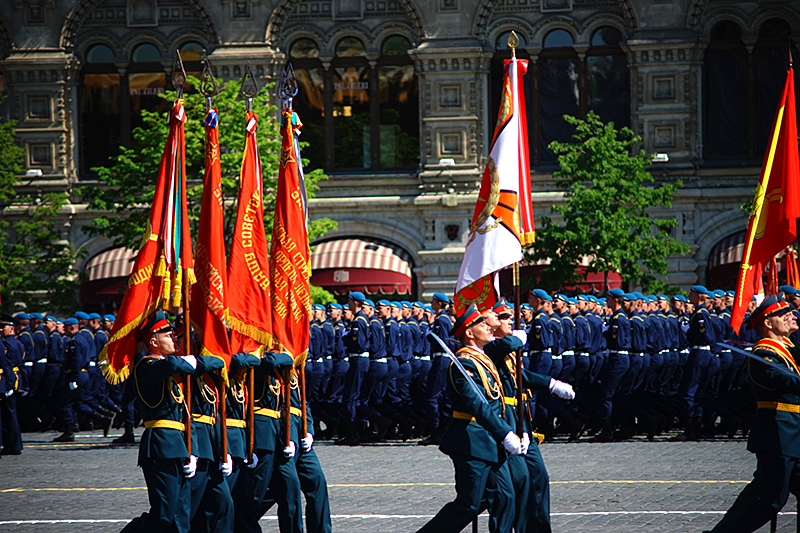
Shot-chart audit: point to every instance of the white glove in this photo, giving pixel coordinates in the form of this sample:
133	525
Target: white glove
190	468
526	442
685	327
561	389
9	393
253	461
307	442
512	444
73	385
192	360
521	334
289	450
605	327
227	467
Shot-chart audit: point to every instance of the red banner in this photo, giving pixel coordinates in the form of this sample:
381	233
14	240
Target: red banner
776	205
290	268
157	275
249	314
209	295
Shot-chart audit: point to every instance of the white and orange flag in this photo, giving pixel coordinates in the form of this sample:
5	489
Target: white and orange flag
503	220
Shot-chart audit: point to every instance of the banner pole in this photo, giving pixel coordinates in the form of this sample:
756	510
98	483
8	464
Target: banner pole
518	361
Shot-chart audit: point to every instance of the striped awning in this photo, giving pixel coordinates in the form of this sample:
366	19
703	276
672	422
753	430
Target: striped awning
368	265
728	250
114	263
360	253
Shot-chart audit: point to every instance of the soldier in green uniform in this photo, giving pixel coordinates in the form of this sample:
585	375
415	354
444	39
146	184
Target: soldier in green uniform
165	461
528	472
775	434
478	439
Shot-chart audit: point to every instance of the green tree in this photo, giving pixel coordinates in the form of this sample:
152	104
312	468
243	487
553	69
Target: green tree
607	192
128	182
36	263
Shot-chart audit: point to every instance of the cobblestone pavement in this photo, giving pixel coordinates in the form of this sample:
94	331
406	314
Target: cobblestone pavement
91	486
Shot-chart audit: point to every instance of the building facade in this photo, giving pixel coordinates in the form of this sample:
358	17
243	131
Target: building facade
399	99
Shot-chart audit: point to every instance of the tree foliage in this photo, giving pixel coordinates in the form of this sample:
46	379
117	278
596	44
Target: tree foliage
608	192
36	263
128	181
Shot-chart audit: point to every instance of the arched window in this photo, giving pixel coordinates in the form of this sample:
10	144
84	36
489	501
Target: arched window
725	82
559	91
741	89
608	80
357	117
115	90
99	107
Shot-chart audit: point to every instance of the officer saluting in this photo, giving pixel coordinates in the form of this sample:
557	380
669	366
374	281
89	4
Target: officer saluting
162	452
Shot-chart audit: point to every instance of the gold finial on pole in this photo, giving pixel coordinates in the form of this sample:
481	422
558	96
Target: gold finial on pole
513	42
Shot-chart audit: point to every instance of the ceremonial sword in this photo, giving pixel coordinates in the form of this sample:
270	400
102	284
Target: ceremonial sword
776	366
458	364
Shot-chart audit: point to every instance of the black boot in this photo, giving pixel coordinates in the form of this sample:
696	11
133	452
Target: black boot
350	437
127	437
436	437
67	436
102	421
690	433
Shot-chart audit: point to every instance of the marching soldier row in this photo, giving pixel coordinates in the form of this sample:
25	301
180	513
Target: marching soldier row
643	364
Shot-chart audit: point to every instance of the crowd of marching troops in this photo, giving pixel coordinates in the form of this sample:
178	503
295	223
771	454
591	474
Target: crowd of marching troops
642	365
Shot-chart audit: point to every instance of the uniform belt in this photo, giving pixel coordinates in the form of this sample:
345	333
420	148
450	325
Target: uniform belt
583	354
557	357
362	354
235	423
272	413
437	354
295	411
381	360
542	351
620	352
459	415
726	351
41	361
166	424
513	401
204	419
1	370
779	406
568	352
92	363
685	350
327	358
663	351
637	354
28	363
424	357
700	347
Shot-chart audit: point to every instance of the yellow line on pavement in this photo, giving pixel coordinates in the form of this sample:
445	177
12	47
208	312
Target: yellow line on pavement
378	485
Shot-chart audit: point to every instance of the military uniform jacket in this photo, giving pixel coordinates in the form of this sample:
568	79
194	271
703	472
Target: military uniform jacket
502	353
159	392
377	339
266	400
441	326
394	341
776	427
477	428
100	340
701	329
204	409
7	377
26	339
328	339
88	336
55	353
582	334
15	354
356	339
618	335
539	336
41	342
338	341
639	332
236	400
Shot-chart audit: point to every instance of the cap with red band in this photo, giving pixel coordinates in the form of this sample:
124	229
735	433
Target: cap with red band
502	308
156	323
771	306
467	319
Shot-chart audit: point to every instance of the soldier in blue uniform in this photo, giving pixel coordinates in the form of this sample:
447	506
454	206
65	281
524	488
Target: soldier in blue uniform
701	337
163	456
618	339
330	410
433	402
357	344
14	387
48	388
478	439
775	435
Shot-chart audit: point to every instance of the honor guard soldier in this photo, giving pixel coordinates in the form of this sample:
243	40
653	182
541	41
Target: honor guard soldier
14	387
477	439
582	338
331	407
435	383
775	434
163	457
357	344
540	341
